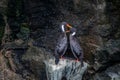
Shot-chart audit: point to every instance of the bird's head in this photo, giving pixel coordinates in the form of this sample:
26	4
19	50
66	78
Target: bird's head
73	31
65	27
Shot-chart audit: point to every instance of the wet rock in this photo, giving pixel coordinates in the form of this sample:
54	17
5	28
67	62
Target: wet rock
69	69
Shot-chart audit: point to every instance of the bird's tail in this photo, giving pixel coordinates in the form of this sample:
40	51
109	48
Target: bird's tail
56	58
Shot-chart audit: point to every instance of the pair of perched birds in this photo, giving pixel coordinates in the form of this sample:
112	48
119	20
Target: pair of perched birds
64	41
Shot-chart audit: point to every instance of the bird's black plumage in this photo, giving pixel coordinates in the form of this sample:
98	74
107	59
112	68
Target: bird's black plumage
61	46
75	46
68	41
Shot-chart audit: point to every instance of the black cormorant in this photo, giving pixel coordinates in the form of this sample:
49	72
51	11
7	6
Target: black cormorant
75	47
62	42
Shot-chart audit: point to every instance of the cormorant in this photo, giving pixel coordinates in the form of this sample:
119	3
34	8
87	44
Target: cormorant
62	43
75	47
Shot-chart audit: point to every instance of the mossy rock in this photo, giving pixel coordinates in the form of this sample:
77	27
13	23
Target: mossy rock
24	33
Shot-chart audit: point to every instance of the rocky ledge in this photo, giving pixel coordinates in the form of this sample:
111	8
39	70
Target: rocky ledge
67	69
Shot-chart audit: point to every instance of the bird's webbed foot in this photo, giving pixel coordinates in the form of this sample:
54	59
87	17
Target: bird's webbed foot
82	64
81	60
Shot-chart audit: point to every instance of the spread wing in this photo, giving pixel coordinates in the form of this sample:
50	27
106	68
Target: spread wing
61	45
75	47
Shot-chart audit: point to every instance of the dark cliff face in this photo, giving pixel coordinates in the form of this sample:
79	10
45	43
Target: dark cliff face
97	23
46	16
99	18
112	12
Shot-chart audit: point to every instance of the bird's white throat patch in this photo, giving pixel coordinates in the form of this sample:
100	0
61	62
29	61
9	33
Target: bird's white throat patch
63	29
73	33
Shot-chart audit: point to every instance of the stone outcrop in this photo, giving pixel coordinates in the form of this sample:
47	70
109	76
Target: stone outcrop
107	55
111	73
69	69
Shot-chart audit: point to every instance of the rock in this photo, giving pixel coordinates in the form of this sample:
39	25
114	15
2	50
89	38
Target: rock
104	30
101	76
111	73
5	72
19	42
113	47
3	6
33	60
114	72
69	69
23	34
107	54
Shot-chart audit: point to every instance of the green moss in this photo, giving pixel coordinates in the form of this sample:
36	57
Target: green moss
25	25
24	32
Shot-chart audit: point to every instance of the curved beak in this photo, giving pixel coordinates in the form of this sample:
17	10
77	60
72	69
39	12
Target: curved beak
69	26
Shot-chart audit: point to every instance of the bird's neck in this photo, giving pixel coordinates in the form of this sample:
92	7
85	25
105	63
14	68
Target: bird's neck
73	34
63	28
